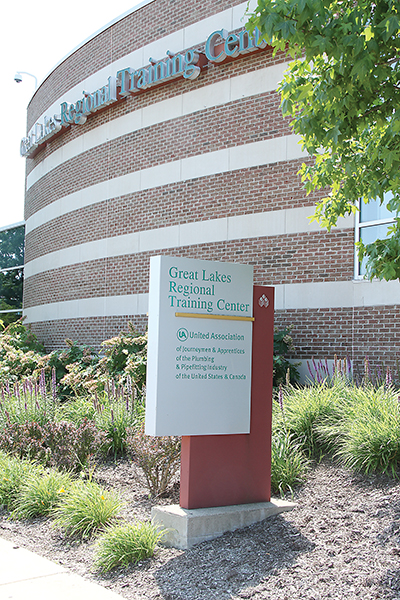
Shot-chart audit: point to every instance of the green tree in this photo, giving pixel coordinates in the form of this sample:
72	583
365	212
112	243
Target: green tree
342	90
12	247
11	278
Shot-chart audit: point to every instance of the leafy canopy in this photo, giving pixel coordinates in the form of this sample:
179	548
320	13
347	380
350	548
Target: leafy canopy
342	89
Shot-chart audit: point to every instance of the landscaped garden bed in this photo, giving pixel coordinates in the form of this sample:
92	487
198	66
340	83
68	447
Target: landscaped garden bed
78	478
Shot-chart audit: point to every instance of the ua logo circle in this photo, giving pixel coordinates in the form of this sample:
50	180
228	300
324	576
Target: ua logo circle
182	334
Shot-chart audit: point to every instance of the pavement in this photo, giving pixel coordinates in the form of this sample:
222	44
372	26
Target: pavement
26	576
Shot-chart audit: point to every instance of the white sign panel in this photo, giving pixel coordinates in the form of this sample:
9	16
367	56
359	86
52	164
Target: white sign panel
199	347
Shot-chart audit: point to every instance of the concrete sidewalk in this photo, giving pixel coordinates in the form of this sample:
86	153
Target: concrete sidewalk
26	576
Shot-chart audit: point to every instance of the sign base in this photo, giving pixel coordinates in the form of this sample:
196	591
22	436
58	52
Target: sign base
186	528
223	470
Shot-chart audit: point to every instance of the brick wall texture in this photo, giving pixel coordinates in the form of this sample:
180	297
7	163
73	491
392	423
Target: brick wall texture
295	258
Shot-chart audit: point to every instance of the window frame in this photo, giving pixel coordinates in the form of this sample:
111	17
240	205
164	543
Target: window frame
359	225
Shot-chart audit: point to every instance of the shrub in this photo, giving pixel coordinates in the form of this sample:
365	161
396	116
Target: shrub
25	440
85	508
122	545
124	360
20	337
62	444
126	355
158	457
60	361
13	474
71	446
288	462
283	369
40	494
78	368
20	352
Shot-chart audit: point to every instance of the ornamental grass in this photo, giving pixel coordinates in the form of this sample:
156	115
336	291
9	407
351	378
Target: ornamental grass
41	493
122	545
86	508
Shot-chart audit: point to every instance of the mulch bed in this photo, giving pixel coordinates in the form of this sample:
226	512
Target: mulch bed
341	541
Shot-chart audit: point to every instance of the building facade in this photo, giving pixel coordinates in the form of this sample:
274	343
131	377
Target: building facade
163	134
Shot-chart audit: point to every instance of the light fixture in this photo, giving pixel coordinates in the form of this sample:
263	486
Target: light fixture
18	77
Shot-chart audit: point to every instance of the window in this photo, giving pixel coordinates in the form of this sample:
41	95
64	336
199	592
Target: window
372	223
11	272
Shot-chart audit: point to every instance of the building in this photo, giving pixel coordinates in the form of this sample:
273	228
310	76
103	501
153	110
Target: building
163	134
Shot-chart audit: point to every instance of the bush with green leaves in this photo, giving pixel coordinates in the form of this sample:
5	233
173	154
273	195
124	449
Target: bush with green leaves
125	358
86	508
122	545
78	368
41	493
60	361
126	354
158	457
59	444
283	369
19	336
20	352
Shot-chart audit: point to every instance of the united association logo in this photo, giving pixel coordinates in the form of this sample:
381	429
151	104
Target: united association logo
182	334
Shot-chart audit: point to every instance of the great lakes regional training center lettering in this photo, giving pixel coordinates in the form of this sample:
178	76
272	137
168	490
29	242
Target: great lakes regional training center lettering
197	295
196	289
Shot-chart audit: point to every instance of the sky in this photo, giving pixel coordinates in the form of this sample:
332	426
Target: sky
34	37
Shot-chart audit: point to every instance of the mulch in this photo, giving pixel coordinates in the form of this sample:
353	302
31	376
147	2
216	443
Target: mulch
341	541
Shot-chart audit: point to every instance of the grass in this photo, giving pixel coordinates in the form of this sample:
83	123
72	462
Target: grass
304	409
41	493
14	473
122	545
86	508
358	426
365	435
77	409
115	413
289	464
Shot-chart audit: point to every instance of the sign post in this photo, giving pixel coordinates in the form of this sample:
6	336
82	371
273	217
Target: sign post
222	470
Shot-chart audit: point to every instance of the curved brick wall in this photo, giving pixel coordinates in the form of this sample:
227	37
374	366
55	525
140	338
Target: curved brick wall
202	167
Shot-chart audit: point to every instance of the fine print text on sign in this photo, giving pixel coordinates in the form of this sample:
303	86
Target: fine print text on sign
199	349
